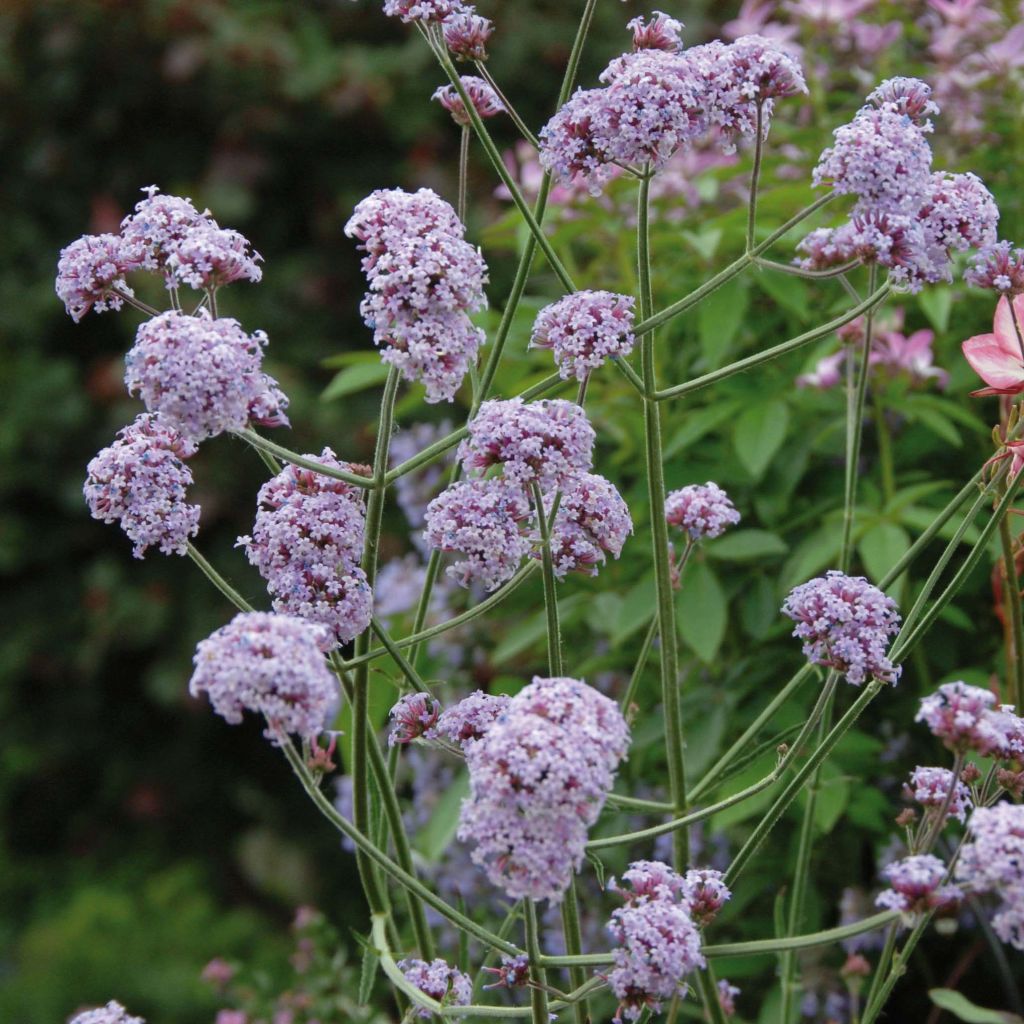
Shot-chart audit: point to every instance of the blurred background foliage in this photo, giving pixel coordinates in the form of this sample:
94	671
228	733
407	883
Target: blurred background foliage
142	836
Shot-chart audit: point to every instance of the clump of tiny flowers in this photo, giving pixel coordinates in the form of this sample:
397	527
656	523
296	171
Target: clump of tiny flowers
272	665
158	225
424	278
421	10
466	34
727	997
706	893
306	543
931	788
584	330
483	97
90	274
201	375
514	972
112	1013
916	885
139	481
1000	267
657	940
538	779
702	510
468	721
209	257
411	717
845	623
906	96
550	441
440	981
966	718
660	33
592	519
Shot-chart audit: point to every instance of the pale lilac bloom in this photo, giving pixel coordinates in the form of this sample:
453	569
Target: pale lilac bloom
956	714
468	721
909	96
727	997
158	225
592	520
824	248
90	274
958	212
999	266
917	885
585	329
411	717
706	892
484	99
514	972
272	665
702	510
901	244
209	257
931	787
827	372
660	33
440	981
649	880
387	216
421	10
112	1013
466	34
140	482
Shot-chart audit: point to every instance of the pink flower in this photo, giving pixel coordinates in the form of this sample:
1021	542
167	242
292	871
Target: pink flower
998	358
912	354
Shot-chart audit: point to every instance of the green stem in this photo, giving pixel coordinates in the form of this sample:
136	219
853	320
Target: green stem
554	633
463	172
884	960
638	669
885	460
218	581
755	175
707	986
1015	673
574	946
415	680
899	968
651	806
573	65
810	275
513	114
261	443
538	978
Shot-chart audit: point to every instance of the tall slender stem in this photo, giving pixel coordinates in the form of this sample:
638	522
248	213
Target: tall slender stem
755	175
1015	624
538	977
463	171
486	75
885	459
554	633
217	580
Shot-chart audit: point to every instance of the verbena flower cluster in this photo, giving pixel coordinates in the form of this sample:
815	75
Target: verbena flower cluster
424	280
272	665
935	788
538	779
966	718
845	624
112	1013
916	885
468	721
440	981
411	717
485	100
592	520
702	510
307	542
999	266
466	34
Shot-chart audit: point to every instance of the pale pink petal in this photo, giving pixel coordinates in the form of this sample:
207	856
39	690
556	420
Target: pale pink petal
1006	334
992	363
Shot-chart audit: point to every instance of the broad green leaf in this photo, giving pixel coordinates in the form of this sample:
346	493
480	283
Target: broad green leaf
702	610
816	552
637	609
747	546
882	547
937	422
704	739
833	797
936	304
697	424
719	317
355	378
963	1009
759	607
789	292
436	836
759	433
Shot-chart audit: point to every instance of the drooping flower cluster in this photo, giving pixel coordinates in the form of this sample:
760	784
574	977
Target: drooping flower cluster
424	280
140	481
931	788
466	34
200	375
468	721
538	778
999	266
485	100
91	274
592	520
411	717
272	665
916	885
702	510
421	10
585	329
966	718
112	1013
660	33
440	981
307	542
845	623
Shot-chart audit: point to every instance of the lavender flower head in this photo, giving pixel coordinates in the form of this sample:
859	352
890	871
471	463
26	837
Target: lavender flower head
272	665
466	34
484	99
1000	267
993	861
112	1013
438	980
585	329
706	892
931	787
90	274
660	33
959	715
140	482
209	257
906	96
550	441
421	10
898	242
388	215
159	223
959	213
702	510
467	722
916	885
649	880
762	70
727	997
198	374
411	717
538	779
845	624
592	520
514	972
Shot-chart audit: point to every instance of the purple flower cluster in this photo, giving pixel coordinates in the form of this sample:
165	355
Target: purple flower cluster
272	665
660	33
112	1013
158	226
468	721
585	329
908	97
702	510
424	279
90	274
845	624
209	257
916	885
421	10
514	972
307	542
140	482
484	99
592	520
538	779
999	266
446	984
411	717
966	718
931	788
202	376
727	996
466	34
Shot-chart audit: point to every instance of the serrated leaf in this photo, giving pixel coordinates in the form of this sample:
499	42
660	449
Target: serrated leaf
963	1009
747	546
719	318
368	971
882	547
702	610
759	433
355	378
437	834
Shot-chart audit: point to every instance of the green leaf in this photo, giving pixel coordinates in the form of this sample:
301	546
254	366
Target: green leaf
436	836
368	974
704	743
937	422
833	796
816	552
637	609
747	546
699	423
759	607
789	292
719	318
882	547
936	304
963	1009
702	610
355	378
759	433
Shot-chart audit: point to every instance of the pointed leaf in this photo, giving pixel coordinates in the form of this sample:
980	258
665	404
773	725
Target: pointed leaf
702	611
759	433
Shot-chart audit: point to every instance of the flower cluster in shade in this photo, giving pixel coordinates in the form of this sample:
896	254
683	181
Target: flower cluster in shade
466	33
202	375
272	665
907	218
166	234
702	510
993	862
661	32
411	717
307	541
440	981
482	96
1000	267
584	330
424	280
916	885
660	99
140	481
467	721
112	1013
935	788
539	776
967	718
657	932
845	623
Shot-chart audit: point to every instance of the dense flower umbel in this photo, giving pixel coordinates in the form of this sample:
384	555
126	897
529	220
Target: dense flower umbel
998	358
158	224
306	543
439	981
514	972
550	441
209	257
484	99
112	1013
140	482
411	717
389	215
958	213
931	786
482	520
90	273
909	96
538	779
958	714
585	329
421	10
702	510
200	375
468	721
999	266
592	520
649	880
916	885
660	33
466	34
269	664
706	892
845	624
